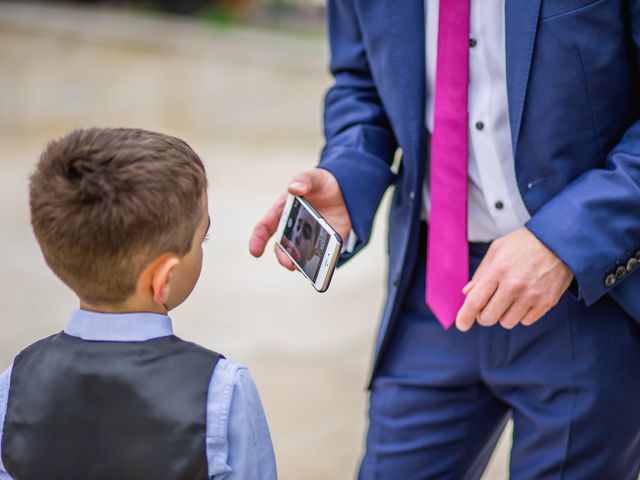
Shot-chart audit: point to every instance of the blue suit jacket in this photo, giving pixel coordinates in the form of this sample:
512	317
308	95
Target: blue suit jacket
573	77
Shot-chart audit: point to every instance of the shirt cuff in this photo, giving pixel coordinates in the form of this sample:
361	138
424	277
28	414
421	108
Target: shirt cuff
350	244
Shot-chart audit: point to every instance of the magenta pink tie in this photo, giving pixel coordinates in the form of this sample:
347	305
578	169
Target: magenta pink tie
448	250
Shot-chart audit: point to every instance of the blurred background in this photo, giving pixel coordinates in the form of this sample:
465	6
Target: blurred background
242	82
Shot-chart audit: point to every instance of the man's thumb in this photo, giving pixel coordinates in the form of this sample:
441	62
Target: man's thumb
304	183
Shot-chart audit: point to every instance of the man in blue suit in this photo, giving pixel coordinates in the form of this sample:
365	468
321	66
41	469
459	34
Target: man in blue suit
548	326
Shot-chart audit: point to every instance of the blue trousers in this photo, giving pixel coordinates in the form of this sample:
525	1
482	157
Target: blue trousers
571	383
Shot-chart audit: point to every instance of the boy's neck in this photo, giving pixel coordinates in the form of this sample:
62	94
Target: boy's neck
125	307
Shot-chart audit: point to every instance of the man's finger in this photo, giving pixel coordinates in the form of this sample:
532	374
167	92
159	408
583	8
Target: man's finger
475	302
307	182
532	317
515	314
265	228
495	308
484	264
283	259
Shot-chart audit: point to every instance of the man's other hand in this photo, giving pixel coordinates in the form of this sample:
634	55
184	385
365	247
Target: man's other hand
320	188
517	282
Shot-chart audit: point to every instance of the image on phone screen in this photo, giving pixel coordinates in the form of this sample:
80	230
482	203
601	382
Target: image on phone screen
305	240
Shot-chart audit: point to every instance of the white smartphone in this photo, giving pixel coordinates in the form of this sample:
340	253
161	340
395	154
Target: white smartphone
309	241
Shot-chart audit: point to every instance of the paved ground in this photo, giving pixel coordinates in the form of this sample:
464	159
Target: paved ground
249	102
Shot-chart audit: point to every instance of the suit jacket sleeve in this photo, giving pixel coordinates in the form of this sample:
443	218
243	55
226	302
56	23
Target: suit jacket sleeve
359	145
593	225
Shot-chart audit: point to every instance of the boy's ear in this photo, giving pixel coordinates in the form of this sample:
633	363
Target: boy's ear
161	277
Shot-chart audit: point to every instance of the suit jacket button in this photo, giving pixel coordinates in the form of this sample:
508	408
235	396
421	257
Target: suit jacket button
637	256
610	280
621	271
632	264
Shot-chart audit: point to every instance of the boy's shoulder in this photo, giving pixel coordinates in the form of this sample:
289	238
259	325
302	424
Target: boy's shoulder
37	344
229	376
232	391
195	347
231	373
227	373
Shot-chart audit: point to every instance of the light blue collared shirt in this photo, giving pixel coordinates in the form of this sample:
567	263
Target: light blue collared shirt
237	435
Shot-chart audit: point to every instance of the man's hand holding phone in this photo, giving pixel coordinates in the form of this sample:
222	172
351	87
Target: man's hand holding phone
320	188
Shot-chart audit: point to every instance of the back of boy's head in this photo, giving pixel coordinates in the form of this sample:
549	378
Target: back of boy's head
106	202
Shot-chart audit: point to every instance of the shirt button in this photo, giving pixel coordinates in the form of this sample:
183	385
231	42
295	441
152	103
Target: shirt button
479	125
473	42
499	205
412	195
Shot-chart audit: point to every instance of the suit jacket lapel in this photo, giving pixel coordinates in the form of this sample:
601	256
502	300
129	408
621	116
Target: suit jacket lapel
521	18
404	25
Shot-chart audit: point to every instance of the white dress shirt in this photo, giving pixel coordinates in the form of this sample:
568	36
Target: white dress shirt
495	205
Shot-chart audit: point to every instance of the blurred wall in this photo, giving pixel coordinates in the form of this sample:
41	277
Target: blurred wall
249	102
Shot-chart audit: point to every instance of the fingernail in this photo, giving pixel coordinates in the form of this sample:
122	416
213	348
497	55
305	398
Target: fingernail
297	186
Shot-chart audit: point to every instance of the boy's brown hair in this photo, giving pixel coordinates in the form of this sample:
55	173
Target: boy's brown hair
105	202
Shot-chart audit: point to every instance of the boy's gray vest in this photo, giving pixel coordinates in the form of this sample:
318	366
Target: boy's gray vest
84	410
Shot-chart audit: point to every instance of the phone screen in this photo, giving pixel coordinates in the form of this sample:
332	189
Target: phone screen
305	239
